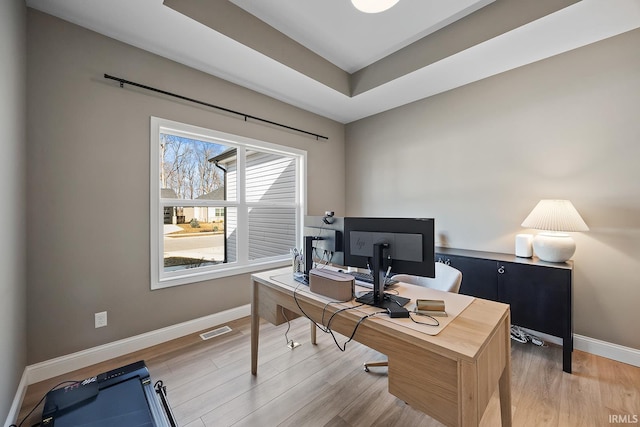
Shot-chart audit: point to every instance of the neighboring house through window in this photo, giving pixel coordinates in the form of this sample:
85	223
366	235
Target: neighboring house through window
221	204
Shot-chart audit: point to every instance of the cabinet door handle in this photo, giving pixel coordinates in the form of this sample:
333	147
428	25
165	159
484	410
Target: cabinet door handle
501	269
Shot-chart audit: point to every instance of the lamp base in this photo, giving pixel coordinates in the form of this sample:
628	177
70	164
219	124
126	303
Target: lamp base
553	247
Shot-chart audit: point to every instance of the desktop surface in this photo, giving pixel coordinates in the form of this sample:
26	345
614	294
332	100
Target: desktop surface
465	334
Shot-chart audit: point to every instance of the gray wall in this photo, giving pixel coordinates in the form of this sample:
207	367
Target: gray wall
13	124
479	158
88	184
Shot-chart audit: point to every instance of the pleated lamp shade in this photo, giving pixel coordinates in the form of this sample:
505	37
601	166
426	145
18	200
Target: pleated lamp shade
555	218
555	215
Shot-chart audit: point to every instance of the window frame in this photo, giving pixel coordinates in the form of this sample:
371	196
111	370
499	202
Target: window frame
161	279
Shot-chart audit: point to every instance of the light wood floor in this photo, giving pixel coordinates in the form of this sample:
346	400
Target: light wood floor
209	384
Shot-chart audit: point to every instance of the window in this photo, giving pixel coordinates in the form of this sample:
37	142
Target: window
221	204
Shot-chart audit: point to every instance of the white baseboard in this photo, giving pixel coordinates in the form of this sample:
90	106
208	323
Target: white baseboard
628	355
64	364
616	352
17	400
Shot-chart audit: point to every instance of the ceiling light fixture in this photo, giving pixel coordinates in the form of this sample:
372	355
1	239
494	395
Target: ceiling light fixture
373	6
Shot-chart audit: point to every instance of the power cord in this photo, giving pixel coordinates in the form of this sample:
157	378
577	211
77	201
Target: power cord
520	335
363	318
322	328
327	329
437	323
315	250
290	343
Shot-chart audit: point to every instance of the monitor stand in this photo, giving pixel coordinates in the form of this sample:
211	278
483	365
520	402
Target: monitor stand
391	302
394	304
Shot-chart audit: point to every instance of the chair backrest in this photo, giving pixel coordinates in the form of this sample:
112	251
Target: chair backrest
447	279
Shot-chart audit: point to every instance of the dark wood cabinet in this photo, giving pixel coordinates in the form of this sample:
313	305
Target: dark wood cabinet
539	293
478	275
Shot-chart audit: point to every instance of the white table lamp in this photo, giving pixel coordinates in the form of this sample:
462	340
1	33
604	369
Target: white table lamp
555	218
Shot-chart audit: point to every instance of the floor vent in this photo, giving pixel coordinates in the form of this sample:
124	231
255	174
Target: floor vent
215	332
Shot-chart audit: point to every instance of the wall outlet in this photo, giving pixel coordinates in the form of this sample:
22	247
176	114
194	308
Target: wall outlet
101	319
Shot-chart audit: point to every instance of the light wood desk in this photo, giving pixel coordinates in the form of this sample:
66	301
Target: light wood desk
450	376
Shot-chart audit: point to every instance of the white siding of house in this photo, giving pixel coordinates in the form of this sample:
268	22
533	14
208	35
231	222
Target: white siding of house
270	178
272	231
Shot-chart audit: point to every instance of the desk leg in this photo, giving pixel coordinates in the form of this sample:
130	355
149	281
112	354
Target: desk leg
255	328
504	383
313	333
505	397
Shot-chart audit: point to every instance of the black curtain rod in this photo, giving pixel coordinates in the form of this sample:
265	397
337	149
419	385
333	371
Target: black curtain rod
246	116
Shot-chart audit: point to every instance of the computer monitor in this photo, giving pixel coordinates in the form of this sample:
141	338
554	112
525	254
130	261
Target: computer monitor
323	240
385	245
